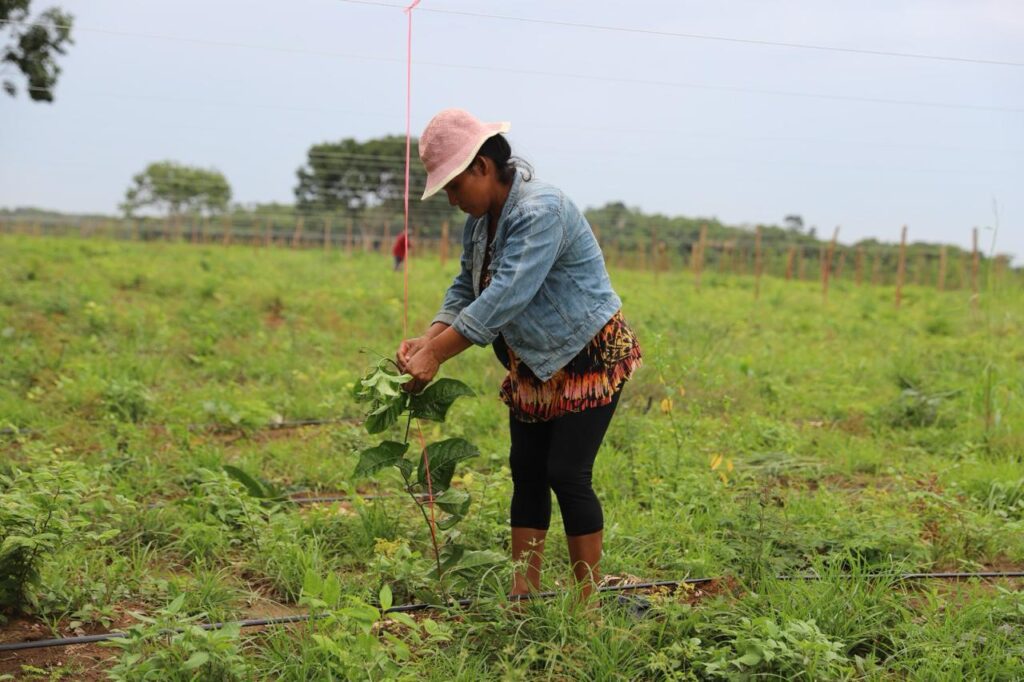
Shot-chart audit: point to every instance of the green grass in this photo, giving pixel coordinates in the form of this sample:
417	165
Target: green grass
762	436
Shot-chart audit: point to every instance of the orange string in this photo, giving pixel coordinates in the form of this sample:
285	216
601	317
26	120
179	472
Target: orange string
408	251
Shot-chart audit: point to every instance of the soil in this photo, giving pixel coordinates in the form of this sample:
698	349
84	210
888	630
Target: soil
85	662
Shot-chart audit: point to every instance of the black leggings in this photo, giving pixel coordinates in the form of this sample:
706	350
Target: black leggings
558	455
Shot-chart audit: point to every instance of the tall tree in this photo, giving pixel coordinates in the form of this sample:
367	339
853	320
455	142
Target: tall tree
350	176
32	45
177	189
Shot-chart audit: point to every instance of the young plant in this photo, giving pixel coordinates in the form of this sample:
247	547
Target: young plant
172	646
41	513
428	476
355	640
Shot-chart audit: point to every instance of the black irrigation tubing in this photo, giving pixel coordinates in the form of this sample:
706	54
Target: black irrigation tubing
321	499
345	498
408	608
18	432
273	426
214	428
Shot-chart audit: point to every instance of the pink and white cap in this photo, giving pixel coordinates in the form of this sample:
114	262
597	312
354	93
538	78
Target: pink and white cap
450	142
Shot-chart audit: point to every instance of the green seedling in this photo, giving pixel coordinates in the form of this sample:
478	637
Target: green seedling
431	472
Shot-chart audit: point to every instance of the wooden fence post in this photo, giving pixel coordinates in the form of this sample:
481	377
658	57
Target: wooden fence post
698	256
757	263
832	249
348	237
974	269
444	243
790	262
823	265
327	233
941	282
654	252
297	235
859	265
901	266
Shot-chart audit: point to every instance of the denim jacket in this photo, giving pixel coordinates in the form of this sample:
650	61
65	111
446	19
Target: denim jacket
549	293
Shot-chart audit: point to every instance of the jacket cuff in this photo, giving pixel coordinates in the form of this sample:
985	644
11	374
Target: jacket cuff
473	330
445	317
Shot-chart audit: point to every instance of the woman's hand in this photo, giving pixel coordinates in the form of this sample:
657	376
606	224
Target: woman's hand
423	366
407	349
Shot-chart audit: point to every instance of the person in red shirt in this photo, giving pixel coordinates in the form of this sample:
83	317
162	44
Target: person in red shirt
400	250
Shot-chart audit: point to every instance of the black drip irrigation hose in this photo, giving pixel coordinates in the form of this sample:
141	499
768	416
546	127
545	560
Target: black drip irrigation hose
213	428
320	499
407	608
7	431
273	426
345	498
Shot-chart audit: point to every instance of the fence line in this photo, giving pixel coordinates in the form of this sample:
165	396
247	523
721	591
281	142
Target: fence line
756	255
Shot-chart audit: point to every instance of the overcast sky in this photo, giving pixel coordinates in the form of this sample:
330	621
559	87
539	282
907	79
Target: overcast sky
743	132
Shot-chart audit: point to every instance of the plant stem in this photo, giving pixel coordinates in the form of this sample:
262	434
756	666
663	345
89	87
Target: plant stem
426	519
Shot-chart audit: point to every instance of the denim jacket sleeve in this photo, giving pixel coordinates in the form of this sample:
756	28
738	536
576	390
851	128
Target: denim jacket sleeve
533	243
460	293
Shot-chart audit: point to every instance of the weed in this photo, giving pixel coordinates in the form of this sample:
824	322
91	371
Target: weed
40	514
170	646
128	400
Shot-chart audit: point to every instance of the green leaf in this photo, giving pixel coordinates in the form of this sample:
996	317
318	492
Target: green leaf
453	501
175	605
479	558
196	660
362	612
332	590
448	522
450	556
381	382
433	629
405	466
380	420
403	618
312	586
434	401
443	456
386	598
372	460
749	659
254	487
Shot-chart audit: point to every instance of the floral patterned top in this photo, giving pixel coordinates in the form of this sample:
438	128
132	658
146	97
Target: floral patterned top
591	379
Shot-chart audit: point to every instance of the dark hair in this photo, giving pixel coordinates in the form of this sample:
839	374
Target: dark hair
497	149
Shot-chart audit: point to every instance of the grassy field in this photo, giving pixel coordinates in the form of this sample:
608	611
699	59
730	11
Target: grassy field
777	436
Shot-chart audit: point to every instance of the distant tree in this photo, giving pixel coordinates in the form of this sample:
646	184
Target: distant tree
351	176
32	44
794	223
177	189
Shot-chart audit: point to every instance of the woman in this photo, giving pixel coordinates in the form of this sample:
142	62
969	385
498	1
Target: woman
534	285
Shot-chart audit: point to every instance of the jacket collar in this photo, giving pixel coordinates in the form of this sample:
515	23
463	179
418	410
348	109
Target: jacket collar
480	231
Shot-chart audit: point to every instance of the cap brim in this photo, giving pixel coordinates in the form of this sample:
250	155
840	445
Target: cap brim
436	184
